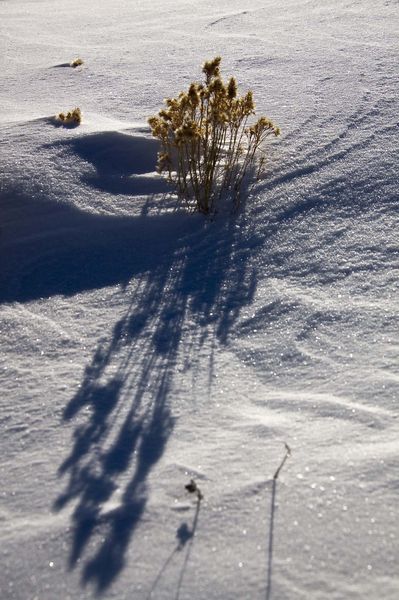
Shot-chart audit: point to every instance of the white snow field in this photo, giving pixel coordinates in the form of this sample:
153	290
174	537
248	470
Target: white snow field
142	346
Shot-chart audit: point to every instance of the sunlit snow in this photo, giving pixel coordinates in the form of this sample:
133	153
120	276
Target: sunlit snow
142	346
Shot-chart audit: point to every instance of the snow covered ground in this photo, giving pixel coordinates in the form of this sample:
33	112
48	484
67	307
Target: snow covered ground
142	346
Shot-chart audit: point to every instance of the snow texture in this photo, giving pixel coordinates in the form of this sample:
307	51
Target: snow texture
142	346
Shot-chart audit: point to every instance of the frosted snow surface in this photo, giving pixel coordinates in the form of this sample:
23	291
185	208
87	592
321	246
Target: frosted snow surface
142	346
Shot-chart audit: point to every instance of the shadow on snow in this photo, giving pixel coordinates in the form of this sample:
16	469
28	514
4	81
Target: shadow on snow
190	292
185	540
70	251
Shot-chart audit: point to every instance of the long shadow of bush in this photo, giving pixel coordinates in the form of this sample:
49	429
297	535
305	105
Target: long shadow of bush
191	298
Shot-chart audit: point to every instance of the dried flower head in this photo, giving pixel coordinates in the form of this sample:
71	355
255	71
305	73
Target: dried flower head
262	127
248	103
193	95
232	89
211	68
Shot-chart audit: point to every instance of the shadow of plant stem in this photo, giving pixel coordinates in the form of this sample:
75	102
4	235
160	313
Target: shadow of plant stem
185	535
122	408
188	549
271	523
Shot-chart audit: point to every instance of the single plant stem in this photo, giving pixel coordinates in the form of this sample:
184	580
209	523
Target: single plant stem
271	524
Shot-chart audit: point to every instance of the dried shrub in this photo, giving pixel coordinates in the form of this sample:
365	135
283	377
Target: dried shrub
76	63
208	144
72	117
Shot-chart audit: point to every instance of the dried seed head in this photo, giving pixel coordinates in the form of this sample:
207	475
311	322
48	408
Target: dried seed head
183	100
190	130
217	86
232	89
76	115
154	123
222	117
164	162
211	68
204	93
193	95
159	128
249	104
192	90
264	126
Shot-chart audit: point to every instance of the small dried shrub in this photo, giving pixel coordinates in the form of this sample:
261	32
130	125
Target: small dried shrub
208	143
76	63
72	117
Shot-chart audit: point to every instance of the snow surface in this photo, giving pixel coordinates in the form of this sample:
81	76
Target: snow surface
142	346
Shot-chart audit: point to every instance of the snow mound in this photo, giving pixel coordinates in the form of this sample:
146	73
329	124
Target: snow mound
123	163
